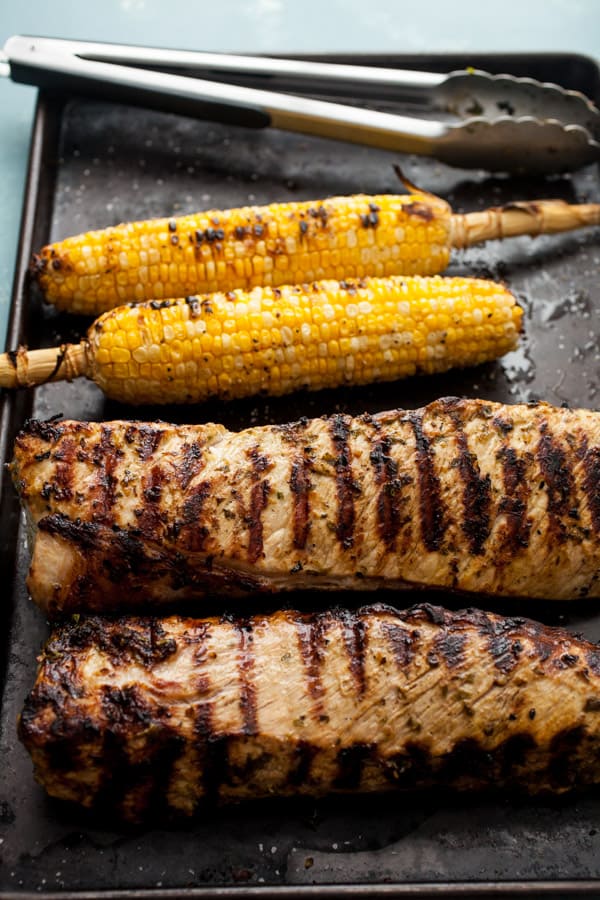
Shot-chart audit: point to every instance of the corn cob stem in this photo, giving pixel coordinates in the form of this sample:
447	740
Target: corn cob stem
276	340
284	243
533	218
27	368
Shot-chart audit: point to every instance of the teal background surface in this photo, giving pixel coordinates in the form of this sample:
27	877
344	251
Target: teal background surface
270	26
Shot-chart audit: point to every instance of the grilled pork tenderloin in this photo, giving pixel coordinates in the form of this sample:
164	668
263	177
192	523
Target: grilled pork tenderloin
464	495
152	716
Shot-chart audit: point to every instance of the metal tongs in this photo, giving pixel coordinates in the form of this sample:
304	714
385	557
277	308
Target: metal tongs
494	122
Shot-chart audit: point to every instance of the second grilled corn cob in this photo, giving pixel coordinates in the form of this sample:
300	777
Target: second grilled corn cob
277	340
284	243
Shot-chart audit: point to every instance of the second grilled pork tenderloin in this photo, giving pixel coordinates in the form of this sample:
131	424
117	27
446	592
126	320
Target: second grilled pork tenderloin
463	494
143	715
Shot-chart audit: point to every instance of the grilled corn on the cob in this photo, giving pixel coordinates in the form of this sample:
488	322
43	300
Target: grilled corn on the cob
284	243
276	340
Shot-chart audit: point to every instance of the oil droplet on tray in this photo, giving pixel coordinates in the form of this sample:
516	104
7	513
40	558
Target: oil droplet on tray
518	365
576	303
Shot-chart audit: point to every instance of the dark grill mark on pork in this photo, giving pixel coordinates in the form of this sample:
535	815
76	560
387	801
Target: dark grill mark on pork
153	485
350	763
50	430
163	757
62	487
300	773
203	718
150	516
504	641
146	439
564	748
311	638
214	763
246	671
558	478
513	505
126	707
300	486
82	534
118	776
515	751
125	555
451	647
503	425
192	531
402	642
214	751
430	501
259	496
471	760
468	758
142	640
63	755
476	495
345	484
260	461
148	442
590	458
413	766
390	487
355	639
144	782
105	457
161	646
215	766
258	501
190	465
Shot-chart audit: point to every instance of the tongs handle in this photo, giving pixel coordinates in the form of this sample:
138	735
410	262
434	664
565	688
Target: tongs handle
33	62
269	72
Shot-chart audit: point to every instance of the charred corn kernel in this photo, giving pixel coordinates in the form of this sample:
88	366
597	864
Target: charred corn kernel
406	326
284	243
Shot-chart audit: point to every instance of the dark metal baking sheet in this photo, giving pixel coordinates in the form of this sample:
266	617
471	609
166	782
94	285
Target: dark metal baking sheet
94	164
